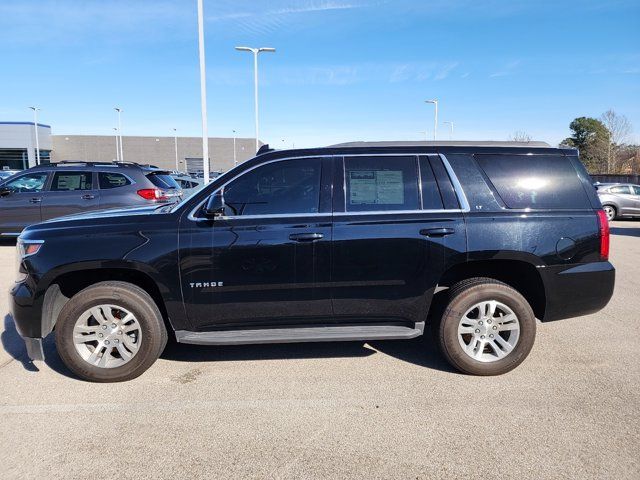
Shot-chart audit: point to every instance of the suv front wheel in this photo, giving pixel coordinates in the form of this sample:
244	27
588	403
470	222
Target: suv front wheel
110	332
488	328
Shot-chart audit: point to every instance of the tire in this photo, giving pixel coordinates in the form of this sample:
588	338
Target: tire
143	338
611	212
495	356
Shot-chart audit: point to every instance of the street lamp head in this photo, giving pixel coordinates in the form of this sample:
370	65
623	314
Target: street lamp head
266	49
35	109
431	101
245	49
117	109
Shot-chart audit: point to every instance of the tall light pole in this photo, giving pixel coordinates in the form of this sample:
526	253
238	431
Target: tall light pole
255	52
175	145
450	131
115	129
119	110
235	160
203	94
35	128
435	122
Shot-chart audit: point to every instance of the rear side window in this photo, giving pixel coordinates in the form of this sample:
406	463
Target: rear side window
112	180
621	189
635	190
534	181
431	199
381	183
162	180
69	181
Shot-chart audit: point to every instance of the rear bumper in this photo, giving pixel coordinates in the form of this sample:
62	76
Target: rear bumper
578	290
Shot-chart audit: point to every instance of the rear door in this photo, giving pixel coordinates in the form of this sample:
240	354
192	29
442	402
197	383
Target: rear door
624	197
114	192
20	204
396	222
70	192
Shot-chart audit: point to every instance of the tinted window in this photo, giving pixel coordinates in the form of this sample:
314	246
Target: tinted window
290	186
108	180
621	189
636	189
534	181
431	199
162	180
32	182
381	183
66	181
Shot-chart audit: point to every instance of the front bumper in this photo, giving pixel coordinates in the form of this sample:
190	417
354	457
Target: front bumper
578	290
26	310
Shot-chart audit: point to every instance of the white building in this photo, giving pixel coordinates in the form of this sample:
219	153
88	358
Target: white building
18	145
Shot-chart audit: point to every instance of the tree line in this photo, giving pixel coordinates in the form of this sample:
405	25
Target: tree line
603	143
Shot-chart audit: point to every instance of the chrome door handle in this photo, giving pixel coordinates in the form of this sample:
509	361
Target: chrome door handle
35	200
437	232
88	197
305	237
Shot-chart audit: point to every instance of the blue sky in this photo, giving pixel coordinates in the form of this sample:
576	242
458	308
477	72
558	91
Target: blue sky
344	69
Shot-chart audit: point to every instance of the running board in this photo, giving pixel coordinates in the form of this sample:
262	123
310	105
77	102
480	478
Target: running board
301	334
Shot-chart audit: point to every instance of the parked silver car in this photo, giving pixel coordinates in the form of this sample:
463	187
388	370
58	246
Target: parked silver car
619	199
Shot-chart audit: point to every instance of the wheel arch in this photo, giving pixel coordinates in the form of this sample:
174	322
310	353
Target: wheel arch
65	284
520	274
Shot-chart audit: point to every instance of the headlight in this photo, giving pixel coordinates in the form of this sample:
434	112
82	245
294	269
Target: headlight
27	248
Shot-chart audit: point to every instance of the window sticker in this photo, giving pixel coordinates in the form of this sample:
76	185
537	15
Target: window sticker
376	187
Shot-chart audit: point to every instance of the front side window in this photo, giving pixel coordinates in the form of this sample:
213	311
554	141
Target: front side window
108	180
70	181
286	187
381	183
31	182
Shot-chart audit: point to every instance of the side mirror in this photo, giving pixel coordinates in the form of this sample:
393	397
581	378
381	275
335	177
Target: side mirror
4	191
214	206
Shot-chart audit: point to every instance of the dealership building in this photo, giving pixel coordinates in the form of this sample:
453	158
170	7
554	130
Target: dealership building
18	149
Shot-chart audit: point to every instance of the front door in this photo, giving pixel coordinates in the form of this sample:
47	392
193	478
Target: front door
70	192
266	261
20	202
392	237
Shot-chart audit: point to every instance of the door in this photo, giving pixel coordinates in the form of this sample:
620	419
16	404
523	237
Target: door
70	192
391	237
266	262
20	202
635	198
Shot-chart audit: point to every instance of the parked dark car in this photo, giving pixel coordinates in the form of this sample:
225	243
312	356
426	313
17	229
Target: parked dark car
350	242
64	188
619	199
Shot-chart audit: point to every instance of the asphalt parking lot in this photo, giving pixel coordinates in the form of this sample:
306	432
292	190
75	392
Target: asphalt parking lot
348	410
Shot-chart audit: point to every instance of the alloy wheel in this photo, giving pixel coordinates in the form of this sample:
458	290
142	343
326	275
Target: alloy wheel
488	331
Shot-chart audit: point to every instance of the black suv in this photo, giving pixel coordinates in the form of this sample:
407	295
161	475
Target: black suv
66	188
351	242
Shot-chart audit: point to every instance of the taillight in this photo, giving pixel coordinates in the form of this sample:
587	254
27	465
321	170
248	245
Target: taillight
153	194
603	223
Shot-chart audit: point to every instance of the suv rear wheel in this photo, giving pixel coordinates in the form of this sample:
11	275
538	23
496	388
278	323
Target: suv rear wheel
110	332
488	328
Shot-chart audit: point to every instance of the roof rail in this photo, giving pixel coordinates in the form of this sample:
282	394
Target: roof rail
100	164
444	143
